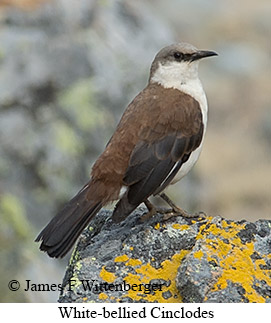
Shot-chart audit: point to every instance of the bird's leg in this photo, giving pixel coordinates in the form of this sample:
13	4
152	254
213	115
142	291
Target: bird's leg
176	210
174	207
152	211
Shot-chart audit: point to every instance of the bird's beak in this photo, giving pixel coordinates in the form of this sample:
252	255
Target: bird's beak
202	54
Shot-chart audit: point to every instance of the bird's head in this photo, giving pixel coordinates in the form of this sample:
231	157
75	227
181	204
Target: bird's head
177	64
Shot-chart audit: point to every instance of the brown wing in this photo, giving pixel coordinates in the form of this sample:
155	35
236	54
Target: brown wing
158	156
162	160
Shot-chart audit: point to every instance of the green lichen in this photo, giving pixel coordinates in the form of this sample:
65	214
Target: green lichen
13	215
79	101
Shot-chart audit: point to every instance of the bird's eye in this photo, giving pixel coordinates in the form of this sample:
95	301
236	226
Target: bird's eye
178	56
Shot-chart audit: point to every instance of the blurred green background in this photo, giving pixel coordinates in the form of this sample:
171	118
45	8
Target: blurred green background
68	69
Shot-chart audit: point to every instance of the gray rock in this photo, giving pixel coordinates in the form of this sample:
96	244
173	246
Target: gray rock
174	260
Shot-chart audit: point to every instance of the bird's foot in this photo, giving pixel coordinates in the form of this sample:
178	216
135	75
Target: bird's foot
169	213
177	211
180	212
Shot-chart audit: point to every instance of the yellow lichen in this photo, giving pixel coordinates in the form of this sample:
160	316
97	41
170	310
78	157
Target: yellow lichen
145	273
179	226
107	276
176	226
234	258
103	296
133	262
121	258
198	254
157	226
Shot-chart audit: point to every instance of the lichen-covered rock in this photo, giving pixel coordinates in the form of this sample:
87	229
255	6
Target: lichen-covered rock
177	260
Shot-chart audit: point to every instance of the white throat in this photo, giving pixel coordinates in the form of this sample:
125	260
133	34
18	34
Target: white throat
182	76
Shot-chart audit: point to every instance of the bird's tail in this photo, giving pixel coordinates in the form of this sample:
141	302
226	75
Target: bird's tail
61	232
123	208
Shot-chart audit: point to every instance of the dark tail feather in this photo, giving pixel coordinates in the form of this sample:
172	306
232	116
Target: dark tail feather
123	208
61	232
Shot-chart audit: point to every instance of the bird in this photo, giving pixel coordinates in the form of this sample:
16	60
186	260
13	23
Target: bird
156	143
